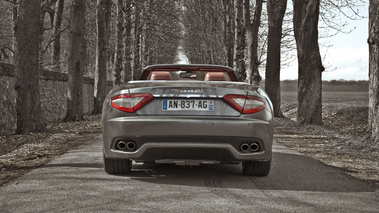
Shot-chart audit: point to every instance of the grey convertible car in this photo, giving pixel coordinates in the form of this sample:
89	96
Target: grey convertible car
187	115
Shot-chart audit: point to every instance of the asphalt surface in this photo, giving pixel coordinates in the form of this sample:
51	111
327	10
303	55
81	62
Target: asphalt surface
76	182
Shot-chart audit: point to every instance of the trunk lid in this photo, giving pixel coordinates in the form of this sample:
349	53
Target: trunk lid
184	98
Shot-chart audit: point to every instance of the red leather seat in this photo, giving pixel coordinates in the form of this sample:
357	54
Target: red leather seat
161	75
215	76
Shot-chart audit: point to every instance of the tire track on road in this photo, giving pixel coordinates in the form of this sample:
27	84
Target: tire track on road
237	195
263	187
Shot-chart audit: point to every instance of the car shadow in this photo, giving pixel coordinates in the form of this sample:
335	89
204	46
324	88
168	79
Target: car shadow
288	172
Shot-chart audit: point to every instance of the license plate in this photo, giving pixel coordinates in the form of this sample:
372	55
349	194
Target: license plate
184	104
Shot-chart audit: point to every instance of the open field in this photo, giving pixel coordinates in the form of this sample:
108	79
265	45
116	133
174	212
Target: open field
332	103
340	99
344	112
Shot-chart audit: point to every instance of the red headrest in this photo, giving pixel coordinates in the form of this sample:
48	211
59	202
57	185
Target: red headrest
160	75
215	76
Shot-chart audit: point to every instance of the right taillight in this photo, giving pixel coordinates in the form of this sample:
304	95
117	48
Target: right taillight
246	104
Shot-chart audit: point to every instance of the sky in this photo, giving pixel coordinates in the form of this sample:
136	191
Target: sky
347	55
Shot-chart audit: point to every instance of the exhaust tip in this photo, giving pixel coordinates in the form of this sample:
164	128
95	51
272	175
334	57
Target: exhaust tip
244	147
121	145
254	147
249	147
131	146
126	146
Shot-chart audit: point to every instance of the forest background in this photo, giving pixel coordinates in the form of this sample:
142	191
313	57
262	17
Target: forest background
113	40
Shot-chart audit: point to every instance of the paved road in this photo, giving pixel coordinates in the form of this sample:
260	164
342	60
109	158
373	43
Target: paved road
76	182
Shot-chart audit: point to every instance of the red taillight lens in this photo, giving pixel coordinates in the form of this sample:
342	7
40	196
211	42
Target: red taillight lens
246	104
130	103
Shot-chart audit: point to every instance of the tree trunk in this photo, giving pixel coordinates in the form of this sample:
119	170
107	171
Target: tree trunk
119	44
110	40
76	61
137	41
239	41
57	34
127	42
230	35
27	33
276	11
101	56
14	23
373	41
145	36
46	8
305	18
252	30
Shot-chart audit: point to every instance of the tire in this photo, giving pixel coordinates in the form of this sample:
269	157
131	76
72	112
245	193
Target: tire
117	166
256	168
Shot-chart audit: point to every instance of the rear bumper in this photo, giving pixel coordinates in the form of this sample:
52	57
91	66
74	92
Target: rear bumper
196	138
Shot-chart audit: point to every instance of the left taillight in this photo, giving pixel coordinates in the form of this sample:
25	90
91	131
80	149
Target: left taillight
246	104
130	102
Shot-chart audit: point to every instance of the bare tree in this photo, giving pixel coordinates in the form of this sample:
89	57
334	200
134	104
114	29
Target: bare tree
102	17
8	15
57	34
373	42
137	32
119	43
145	36
252	30
27	33
228	32
276	11
46	8
127	68
305	20
239	41
76	61
205	24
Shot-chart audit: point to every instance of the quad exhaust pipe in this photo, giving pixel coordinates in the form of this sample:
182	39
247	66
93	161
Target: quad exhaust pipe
253	147
121	145
126	146
245	147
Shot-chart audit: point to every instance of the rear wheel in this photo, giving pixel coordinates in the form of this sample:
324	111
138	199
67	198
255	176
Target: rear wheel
256	168
117	166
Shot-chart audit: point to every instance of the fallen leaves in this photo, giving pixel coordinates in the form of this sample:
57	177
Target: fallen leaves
21	153
338	143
